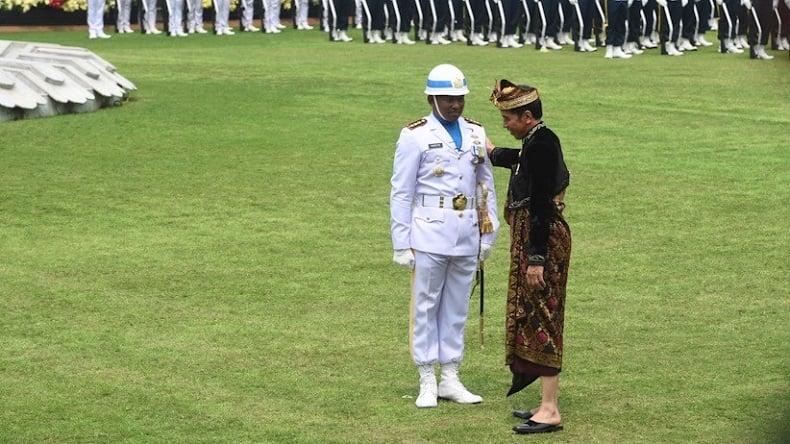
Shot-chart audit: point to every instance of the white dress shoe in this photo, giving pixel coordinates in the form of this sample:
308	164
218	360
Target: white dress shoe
619	53
551	44
427	397
587	46
633	49
511	39
685	45
450	386
428	391
671	50
454	391
700	39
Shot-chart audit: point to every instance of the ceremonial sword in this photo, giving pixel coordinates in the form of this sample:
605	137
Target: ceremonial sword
481	275
480	279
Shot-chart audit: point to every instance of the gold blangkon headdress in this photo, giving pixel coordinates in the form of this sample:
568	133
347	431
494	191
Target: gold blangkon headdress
507	95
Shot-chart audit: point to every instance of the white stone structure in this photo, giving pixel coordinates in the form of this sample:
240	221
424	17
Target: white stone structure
44	79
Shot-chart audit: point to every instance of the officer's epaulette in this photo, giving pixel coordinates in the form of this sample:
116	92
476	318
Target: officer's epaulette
416	124
474	122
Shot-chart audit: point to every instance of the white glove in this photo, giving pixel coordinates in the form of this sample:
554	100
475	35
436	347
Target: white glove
662	3
404	258
776	4
747	4
719	2
630	2
573	2
683	3
485	251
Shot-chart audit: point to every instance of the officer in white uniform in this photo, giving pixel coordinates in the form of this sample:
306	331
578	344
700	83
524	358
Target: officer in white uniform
440	164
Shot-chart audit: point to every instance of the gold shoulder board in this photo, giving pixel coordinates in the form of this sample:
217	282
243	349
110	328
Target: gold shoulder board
416	124
474	122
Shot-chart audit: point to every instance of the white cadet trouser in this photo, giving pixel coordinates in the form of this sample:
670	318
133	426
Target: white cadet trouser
175	9
440	304
95	16
124	14
194	14
271	14
247	12
302	7
149	14
221	14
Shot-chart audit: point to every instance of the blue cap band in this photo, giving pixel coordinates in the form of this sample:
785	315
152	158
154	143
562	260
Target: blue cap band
441	83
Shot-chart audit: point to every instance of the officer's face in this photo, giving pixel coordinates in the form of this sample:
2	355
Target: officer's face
517	124
449	108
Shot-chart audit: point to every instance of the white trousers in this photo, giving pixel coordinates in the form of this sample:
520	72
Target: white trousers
95	15
271	14
175	8
247	13
149	14
440	304
124	14
221	14
194	14
302	7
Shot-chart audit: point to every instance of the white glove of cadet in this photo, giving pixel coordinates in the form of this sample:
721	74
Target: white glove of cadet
404	258
747	4
662	3
630	2
485	251
573	2
683	3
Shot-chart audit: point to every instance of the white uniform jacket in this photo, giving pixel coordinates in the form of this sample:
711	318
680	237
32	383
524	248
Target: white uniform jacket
428	172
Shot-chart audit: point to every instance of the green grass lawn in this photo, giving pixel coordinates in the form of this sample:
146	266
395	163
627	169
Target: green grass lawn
211	261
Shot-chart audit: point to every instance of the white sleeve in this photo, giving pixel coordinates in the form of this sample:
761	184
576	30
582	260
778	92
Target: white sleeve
405	166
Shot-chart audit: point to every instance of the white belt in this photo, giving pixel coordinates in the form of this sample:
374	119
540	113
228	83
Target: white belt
445	202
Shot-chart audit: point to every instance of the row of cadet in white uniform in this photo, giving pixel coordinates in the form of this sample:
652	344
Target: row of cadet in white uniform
194	17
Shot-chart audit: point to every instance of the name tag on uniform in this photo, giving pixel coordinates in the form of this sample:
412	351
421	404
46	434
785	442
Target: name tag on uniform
434	145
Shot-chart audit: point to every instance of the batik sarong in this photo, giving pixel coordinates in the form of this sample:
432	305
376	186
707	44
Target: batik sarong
535	318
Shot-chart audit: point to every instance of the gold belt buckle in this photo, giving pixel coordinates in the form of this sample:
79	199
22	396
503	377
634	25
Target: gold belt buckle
459	202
